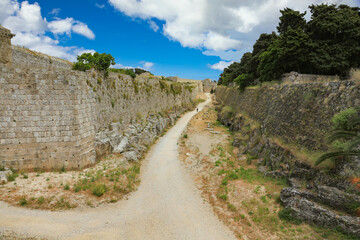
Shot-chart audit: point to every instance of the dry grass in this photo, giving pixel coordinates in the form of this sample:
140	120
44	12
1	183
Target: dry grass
108	181
303	154
355	74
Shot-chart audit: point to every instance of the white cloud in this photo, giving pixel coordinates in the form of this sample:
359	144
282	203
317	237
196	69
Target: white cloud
225	55
119	65
69	25
26	17
101	6
55	11
219	42
153	25
147	65
61	26
215	25
82	29
220	65
26	21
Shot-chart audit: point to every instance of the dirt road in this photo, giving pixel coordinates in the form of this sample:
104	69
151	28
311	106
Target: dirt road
167	205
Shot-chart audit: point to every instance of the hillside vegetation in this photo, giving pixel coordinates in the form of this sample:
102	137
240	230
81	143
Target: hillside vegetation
328	44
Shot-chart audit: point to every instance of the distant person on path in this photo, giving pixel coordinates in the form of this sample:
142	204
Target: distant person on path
197	110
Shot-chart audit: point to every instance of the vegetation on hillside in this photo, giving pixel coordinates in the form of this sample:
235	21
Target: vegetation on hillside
346	137
328	44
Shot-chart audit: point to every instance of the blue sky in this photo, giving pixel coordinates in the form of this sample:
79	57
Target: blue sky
187	38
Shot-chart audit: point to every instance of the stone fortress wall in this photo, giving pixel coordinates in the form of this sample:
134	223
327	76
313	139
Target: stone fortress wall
206	84
26	57
53	117
5	45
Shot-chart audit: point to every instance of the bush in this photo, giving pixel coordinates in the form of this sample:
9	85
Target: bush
98	189
98	61
344	120
129	72
77	187
223	197
23	201
41	200
12	177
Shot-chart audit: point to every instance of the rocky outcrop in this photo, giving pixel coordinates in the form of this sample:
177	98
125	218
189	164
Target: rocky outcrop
131	140
303	207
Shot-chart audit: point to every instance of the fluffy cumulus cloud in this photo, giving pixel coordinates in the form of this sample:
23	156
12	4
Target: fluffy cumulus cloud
25	20
215	26
220	65
146	65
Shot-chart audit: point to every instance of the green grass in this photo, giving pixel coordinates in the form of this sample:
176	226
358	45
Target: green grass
11	177
99	189
223	197
40	200
66	187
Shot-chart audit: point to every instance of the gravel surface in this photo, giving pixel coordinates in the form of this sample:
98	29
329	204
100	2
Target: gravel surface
167	205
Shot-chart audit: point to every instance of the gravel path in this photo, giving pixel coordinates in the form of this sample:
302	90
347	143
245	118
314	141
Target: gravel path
166	205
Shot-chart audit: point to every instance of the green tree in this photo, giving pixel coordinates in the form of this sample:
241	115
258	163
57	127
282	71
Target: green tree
261	45
291	19
335	32
98	61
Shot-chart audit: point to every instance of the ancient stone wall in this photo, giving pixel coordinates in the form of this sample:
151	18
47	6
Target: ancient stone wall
49	116
296	113
24	57
5	46
297	78
46	119
208	85
120	98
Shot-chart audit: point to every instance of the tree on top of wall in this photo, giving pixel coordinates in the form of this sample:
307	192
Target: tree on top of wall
99	61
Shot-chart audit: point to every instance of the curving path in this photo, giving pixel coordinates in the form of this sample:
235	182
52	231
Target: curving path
166	205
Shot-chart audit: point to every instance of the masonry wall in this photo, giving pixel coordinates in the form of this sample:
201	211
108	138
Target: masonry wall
296	113
119	98
49	114
5	46
22	57
46	119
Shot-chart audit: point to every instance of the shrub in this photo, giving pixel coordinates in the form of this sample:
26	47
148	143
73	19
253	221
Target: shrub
129	72
346	136
66	187
185	135
41	200
223	197
77	187
344	120
12	177
23	201
98	190
98	61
